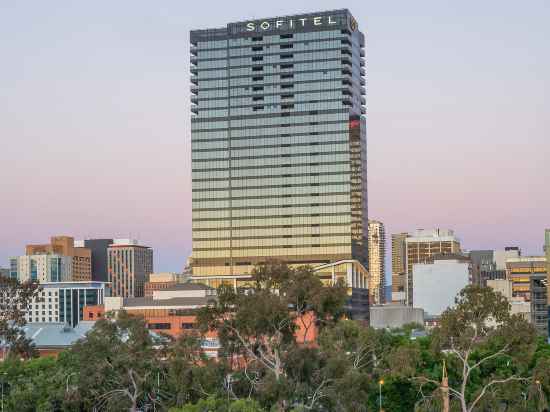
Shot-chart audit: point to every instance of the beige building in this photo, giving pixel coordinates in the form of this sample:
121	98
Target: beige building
377	266
518	304
422	246
398	259
129	265
520	270
81	257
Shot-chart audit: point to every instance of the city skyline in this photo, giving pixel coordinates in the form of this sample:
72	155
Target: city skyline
96	111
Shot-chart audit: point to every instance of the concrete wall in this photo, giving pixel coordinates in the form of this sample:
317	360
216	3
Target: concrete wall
394	316
437	284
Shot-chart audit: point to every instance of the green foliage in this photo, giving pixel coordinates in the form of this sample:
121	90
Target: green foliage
221	405
120	366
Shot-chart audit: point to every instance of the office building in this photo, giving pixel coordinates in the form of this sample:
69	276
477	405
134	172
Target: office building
99	247
42	268
491	264
398	264
5	272
421	247
81	257
279	146
377	265
519	270
129	265
438	281
64	301
539	295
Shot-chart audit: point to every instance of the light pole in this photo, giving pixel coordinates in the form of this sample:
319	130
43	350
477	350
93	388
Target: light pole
380	383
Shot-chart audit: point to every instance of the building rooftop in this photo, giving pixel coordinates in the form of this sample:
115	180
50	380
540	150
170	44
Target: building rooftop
172	303
56	335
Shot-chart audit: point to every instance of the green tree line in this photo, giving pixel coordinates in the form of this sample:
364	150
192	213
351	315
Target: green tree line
492	360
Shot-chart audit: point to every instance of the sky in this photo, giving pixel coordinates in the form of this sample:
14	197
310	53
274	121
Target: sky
95	118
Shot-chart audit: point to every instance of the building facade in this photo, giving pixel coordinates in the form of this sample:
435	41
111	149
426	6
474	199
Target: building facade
399	266
42	268
81	267
438	281
421	247
520	270
161	281
99	247
129	265
539	295
64	301
278	145
377	262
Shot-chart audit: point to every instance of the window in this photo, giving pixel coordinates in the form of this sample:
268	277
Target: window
257	68
287	56
287	96
287	76
257	98
257	108
257	78
287	86
187	326
286	46
257	58
257	88
259	38
287	106
286	36
162	326
287	66
257	48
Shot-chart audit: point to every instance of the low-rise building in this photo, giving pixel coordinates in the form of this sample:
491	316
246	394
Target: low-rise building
518	304
162	281
394	316
64	302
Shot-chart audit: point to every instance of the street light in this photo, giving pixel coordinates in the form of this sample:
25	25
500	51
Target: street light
380	383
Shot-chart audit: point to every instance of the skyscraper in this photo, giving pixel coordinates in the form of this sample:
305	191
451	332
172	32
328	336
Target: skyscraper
398	266
377	266
279	147
99	257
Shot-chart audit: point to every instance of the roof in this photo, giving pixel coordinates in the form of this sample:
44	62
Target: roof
188	286
172	303
56	335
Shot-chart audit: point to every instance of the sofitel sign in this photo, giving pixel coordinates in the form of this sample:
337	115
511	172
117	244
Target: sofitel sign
291	24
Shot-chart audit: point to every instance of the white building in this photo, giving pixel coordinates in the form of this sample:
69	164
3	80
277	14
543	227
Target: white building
42	268
436	284
377	265
64	301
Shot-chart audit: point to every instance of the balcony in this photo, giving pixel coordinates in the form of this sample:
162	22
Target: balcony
362	71
193	50
195	80
194	99
193	60
195	109
194	89
363	91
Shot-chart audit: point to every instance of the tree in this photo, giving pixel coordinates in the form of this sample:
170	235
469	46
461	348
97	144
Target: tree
257	327
484	346
115	366
15	298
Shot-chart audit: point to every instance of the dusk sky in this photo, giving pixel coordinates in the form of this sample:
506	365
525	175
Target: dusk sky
95	119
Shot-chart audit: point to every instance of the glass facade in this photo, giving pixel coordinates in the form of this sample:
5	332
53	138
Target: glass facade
278	144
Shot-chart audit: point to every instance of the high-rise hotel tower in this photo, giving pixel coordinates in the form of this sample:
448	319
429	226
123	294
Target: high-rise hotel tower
279	147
